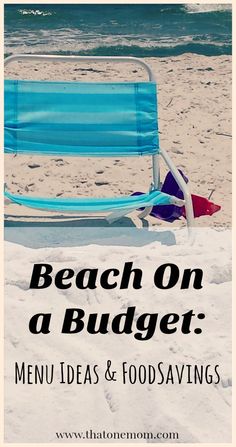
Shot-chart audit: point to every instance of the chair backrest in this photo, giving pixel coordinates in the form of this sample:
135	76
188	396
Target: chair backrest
81	119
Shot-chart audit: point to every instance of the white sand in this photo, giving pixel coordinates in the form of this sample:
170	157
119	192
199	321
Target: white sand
195	127
200	413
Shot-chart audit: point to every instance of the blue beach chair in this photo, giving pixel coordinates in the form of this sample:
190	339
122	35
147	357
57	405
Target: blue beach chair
114	119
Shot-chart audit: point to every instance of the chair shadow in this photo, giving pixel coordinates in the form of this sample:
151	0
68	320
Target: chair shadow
82	231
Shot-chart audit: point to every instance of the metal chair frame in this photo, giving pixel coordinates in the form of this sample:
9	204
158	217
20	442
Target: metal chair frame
155	158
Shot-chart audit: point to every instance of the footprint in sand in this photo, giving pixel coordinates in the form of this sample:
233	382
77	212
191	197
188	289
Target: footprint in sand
112	403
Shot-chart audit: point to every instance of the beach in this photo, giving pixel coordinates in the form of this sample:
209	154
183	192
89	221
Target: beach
194	108
188	47
198	412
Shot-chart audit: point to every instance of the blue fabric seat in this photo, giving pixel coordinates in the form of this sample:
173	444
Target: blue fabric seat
92	204
82	119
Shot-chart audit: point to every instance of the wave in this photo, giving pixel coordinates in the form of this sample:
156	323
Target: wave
138	51
164	8
205	8
34	12
141	30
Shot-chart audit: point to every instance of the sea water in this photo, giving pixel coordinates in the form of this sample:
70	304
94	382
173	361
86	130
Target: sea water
114	29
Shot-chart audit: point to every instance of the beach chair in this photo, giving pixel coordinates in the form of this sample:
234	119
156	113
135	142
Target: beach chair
102	119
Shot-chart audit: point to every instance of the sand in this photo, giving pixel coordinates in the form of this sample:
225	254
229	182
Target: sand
200	413
195	129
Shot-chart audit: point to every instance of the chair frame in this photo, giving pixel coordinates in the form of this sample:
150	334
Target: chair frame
155	158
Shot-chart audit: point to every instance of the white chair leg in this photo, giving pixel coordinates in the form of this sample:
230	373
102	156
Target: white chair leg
184	188
7	201
116	215
145	212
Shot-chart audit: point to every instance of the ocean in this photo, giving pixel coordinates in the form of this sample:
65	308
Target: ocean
114	29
